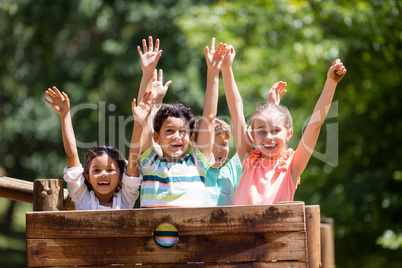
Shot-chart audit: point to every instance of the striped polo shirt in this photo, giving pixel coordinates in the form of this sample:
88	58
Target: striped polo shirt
173	184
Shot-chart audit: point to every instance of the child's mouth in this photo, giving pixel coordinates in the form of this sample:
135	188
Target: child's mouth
103	184
176	146
269	146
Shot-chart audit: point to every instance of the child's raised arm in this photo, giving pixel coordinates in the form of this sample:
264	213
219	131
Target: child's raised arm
214	59
156	95
61	104
309	139
149	60
235	104
141	113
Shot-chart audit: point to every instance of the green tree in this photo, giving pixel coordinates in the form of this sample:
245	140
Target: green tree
88	49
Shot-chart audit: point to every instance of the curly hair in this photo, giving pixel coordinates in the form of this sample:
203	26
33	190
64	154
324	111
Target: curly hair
177	110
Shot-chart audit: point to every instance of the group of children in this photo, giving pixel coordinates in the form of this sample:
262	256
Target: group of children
176	160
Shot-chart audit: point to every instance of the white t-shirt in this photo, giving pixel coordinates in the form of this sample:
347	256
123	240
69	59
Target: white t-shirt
85	199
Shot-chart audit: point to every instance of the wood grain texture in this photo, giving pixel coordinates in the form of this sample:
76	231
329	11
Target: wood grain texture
278	264
188	221
313	235
21	190
48	195
18	190
242	236
193	248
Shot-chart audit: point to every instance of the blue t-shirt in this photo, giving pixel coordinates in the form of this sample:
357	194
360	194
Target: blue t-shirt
221	184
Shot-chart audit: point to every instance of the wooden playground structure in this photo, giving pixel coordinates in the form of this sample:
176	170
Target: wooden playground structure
287	234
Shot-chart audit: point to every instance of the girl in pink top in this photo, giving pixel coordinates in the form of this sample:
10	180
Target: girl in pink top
271	171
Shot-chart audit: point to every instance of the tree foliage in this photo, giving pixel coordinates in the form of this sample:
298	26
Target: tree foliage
88	49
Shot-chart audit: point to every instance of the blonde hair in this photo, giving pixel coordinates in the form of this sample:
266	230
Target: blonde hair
220	127
270	108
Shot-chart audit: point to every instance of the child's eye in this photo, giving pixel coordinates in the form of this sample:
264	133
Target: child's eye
221	146
183	131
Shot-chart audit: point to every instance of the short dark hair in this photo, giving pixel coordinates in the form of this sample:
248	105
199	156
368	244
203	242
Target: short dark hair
99	151
177	110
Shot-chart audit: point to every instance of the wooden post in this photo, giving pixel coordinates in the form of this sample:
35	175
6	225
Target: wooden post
327	243
313	235
48	195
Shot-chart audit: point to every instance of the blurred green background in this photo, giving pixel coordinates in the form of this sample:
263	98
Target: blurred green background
88	49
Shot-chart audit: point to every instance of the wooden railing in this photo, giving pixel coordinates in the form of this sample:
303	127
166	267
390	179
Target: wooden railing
280	235
23	191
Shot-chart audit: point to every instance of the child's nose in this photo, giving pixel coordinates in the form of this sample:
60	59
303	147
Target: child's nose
177	134
270	136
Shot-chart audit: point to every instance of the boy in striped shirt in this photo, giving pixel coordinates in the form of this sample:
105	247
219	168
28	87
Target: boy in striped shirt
176	176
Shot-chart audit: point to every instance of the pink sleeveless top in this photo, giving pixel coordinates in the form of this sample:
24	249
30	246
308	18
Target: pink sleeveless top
264	181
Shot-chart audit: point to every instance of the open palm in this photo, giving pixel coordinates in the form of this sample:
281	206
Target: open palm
150	56
216	57
58	101
159	90
144	107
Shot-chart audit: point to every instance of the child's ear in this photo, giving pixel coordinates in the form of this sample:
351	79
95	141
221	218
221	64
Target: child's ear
250	135
289	135
156	137
87	177
192	137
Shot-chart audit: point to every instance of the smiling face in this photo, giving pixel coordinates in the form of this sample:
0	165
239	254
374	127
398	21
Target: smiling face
174	138
104	176
270	134
221	149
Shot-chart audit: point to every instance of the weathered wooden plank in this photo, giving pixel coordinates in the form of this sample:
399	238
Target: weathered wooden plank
246	247
188	221
327	243
18	190
313	234
278	264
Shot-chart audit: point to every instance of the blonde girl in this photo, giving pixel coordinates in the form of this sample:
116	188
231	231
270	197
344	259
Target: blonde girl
271	171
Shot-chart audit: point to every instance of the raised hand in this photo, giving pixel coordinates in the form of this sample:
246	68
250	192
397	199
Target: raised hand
142	111
150	56
159	90
276	93
337	71
58	101
228	60
216	57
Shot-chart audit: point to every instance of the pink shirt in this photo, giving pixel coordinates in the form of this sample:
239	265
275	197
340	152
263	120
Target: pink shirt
264	181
